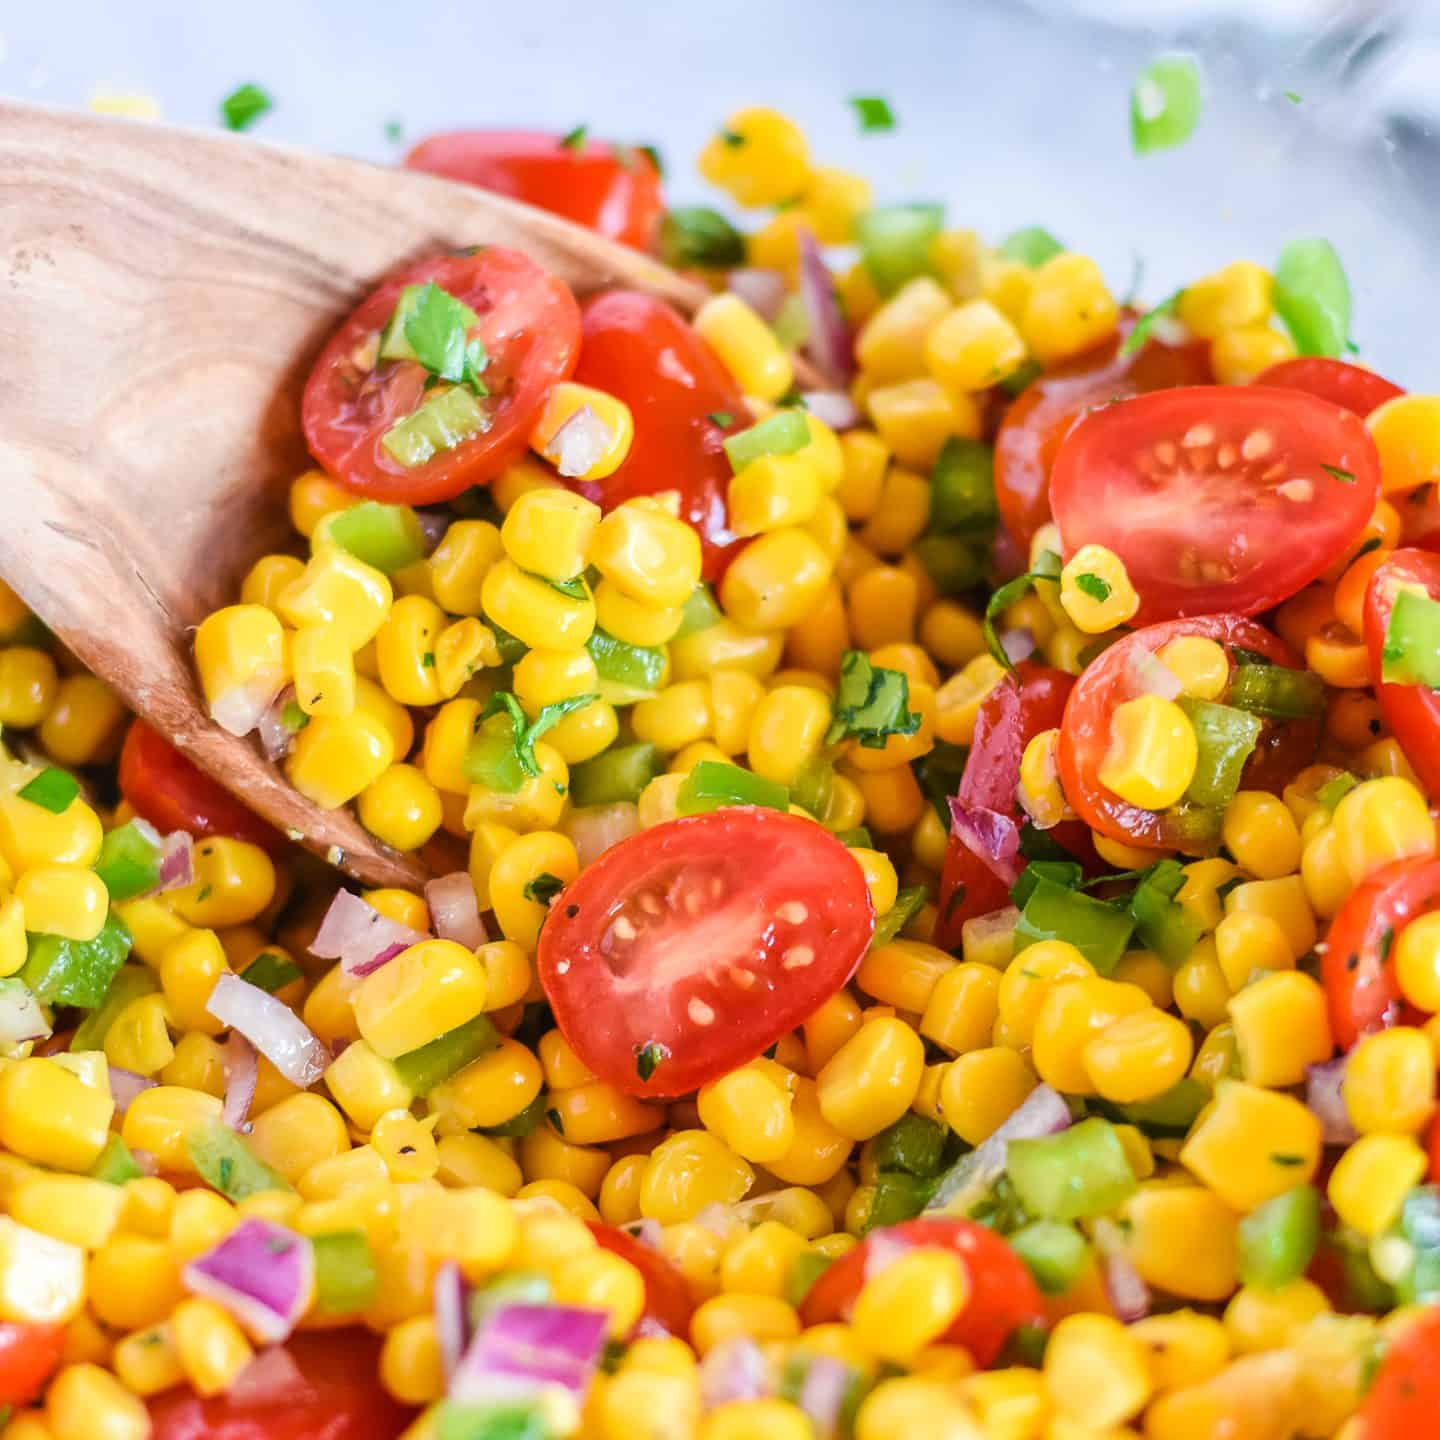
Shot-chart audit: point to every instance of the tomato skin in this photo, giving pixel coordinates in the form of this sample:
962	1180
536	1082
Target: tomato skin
673	937
1356	968
590	183
1411	711
29	1355
1003	1295
341	1398
1348	386
1043	414
1204	526
1085	732
641	351
173	793
1010	716
1403	1401
668	1301
530	325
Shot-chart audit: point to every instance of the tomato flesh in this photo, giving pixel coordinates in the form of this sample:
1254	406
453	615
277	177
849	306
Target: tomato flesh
1348	386
29	1355
1411	711
530	325
1218	498
331	1391
668	1302
708	937
684	403
1045	411
1403	1401
1109	680
612	189
1002	1294
173	793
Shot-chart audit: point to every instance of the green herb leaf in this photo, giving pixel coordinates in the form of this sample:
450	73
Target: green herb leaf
241	108
907	905
874	113
1094	586
436	327
1047	567
575	139
1146	323
1293	96
733	138
1312	297
1333	791
1165	104
293	718
649	1057
1345	477
548	718
271	972
1411	653
543	888
871	705
697	237
573	589
723	418
1031	245
394	131
53	789
652	152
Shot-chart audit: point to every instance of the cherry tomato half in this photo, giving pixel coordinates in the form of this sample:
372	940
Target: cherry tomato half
1218	498
1002	1294
1404	1400
1111	679
1356	968
684	403
668	1302
708	937
173	793
1044	412
1348	386
613	189
319	1386
29	1355
530	326
1411	711
1010	716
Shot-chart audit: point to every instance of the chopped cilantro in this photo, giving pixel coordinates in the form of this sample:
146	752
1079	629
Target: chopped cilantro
723	418
655	157
557	1122
1345	477
1387	940
1146	323
1294	96
1165	104
436	326
872	704
874	113
525	735
1097	588
543	888
241	108
427	660
733	138
394	131
1047	567
271	972
574	589
575	139
649	1057
1031	245
53	789
1286	1159
293	718
907	905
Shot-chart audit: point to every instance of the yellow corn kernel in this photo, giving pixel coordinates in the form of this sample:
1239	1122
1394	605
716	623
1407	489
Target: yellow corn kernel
910	1303
1389	1084
313	496
405	651
460	563
756	1317
819	1152
466	1160
1200	665
1382	820
211	1347
883	603
71	1208
959	699
1250	1145
772	491
1238	294
1284	901
1070	1016
892	344
1008	285
746	346
1386	757
1406	431
14	949
870	1082
1138	1057
1153	752
677	716
787	731
189	967
1095	1371
1371	1180
1095	590
1339	657
51	1116
866	457
491	1090
750	1111
647	552
424	991
29	685
633	621
1039	791
298	1133
962	1008
267	577
401	807
324	670
1182	1239
759	1262
599	1114
534	611
1417	962
687	1172
1069	308
916	417
547	1159
1182	1347
338	590
1282	1025
544	852
593	455
775	582
1249	942
726	646
1265	1319
1028	979
1238	356
951	633
336	757
239	651
1260	832
563	1067
412	1366
760	158
85	1402
474	1227
146	1362
1198	895
974	347
234	882
83	723
65	900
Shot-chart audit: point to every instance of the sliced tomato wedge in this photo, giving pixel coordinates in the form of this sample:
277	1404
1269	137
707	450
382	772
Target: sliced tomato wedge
692	947
613	189
320	1386
1218	498
668	1301
1405	1398
1411	711
530	326
29	1355
1356	967
1111	678
1043	414
173	793
684	403
1348	386
1003	1296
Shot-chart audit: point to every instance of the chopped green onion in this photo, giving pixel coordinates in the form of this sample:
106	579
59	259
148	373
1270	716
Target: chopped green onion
271	972
242	107
1031	245
1277	692
1225	738
628	673
385	536
1100	931
1162	924
895	243
908	904
53	789
1165	104
1312	297
227	1164
76	972
711	785
574	139
1079	1173
619	773
785	432
873	112
1279	1238
695	237
649	1057
129	862
872	703
131	982
1411	653
912	1144
1055	1254
431	1065
345	1275
1147	322
116	1165
962	490
447	418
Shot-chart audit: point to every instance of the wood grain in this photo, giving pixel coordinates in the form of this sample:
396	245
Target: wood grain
162	295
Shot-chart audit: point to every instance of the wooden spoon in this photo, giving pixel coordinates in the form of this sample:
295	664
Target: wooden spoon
165	292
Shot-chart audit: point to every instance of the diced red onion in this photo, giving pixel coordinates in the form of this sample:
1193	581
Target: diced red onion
1149	675
177	861
883	1248
125	1085
734	1369
276	737
524	1350
433	525
242	1074
834	407
1128	1293
148	1164
762	290
823	1393
579	444
21	1017
272	1027
993	838
452	1315
1323	1096
239	709
454	910
356	934
271	1378
829	342
1018	644
262	1273
1042	1112
595	828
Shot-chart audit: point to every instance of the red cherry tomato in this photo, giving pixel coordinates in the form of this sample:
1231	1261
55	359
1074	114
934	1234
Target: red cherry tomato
668	1302
1356	968
1348	386
331	1391
1405	1399
1002	1294
638	349
613	189
1110	679
29	1355
1010	716
173	793
1045	411
1218	498
1411	711
710	936
530	326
